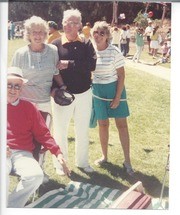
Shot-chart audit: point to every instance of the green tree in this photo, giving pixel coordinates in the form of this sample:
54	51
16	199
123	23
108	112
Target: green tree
91	10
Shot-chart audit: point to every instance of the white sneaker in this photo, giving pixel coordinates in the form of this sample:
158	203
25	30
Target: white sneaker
60	172
88	169
46	178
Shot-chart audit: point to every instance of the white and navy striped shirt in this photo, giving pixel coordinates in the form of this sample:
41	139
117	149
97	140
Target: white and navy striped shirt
107	62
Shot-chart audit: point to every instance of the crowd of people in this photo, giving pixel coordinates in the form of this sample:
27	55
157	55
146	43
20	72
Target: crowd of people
15	31
85	61
121	36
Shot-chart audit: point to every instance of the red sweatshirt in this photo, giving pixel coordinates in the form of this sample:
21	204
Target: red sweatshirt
24	122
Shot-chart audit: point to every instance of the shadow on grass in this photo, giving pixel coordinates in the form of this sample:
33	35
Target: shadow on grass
50	185
72	139
151	184
148	150
99	179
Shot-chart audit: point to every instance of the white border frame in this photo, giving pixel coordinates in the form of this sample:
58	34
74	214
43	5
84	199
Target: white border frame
174	137
3	102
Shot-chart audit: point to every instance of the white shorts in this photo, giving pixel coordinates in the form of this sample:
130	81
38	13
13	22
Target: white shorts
154	44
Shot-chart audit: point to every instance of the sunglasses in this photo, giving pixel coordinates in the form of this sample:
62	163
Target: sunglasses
100	33
11	86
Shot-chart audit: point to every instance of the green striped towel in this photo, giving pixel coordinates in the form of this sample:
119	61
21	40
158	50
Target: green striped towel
78	195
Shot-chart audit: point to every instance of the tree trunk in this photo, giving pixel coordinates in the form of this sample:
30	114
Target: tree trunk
114	18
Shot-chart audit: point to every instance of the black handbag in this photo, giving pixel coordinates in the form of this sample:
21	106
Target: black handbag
63	97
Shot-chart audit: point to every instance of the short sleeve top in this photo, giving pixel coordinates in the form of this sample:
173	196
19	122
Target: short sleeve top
107	62
39	68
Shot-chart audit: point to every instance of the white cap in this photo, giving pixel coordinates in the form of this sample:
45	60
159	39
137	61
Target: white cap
15	73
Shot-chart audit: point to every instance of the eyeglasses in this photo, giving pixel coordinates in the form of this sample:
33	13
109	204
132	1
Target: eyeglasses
71	23
100	33
35	33
11	86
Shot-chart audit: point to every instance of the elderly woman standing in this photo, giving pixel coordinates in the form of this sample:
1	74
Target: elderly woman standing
38	63
109	92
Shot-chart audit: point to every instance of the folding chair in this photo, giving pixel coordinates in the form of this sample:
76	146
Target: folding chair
133	198
39	151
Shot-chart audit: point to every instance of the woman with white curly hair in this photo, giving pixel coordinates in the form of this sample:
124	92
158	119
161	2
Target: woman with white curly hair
109	92
38	63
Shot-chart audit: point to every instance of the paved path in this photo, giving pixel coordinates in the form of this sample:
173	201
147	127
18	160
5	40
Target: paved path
156	70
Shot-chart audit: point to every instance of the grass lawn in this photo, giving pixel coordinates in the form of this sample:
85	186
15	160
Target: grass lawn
149	128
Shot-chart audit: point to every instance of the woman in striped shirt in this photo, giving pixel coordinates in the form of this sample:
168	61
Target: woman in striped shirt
109	92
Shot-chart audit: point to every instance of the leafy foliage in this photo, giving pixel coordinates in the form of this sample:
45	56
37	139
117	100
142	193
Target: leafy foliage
141	20
91	10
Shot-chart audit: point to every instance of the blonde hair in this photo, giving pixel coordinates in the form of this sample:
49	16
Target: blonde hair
35	21
102	25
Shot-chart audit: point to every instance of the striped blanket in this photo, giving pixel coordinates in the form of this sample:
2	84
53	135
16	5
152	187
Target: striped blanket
78	195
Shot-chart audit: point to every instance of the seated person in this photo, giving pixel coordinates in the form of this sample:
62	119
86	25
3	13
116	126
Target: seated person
24	122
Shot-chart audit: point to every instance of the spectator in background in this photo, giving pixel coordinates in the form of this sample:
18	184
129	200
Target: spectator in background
155	41
148	32
123	41
77	59
18	32
12	30
24	122
168	37
53	31
168	40
165	50
139	37
9	29
128	37
115	36
86	30
136	26
109	92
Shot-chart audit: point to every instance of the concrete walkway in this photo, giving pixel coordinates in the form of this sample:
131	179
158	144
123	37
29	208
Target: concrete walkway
156	70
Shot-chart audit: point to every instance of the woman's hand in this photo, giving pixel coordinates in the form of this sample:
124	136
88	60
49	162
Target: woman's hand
61	160
62	64
115	103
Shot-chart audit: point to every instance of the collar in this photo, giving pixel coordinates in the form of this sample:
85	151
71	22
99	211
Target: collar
65	40
15	103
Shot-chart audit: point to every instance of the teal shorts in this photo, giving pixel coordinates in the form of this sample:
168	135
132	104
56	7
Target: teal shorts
102	108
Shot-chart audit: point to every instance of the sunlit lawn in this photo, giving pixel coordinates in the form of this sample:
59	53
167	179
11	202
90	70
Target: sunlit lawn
149	103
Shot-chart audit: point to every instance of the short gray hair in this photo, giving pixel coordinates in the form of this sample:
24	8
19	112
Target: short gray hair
31	23
103	25
72	13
